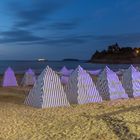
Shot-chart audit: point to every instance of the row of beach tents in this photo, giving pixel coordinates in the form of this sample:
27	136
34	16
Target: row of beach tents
80	88
9	78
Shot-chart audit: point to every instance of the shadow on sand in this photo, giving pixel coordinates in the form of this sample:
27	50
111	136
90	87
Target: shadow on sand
118	126
13	95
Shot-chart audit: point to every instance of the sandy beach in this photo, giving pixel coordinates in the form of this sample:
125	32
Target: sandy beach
112	120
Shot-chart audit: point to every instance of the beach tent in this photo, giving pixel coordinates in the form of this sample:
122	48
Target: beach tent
81	89
64	79
131	82
120	72
64	71
9	78
94	72
29	78
47	91
109	85
137	68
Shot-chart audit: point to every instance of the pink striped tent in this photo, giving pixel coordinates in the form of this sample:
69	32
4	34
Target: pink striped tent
47	91
131	82
9	79
29	78
81	89
109	85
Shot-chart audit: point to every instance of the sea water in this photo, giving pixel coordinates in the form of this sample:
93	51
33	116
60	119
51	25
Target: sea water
21	66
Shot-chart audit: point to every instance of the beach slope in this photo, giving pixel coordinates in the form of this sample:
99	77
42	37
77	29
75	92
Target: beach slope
108	120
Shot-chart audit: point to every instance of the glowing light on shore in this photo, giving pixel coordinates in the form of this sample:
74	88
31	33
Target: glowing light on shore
137	51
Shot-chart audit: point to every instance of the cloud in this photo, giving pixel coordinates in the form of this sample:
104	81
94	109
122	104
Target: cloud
64	40
26	37
36	12
17	35
66	25
133	37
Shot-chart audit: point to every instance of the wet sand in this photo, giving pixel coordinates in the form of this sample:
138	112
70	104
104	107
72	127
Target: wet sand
111	120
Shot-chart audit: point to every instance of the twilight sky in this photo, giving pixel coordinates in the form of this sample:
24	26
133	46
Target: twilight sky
57	29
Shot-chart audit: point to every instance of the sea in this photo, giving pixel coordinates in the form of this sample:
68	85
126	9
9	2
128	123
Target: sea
20	67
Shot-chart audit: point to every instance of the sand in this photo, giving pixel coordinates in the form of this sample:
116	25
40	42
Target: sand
111	120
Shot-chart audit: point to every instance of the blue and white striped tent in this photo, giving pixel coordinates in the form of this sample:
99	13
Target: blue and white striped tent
47	91
65	72
64	79
81	89
109	85
29	78
131	82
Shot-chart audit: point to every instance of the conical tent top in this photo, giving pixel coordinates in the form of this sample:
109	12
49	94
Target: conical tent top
132	68
29	71
64	70
9	78
79	68
9	69
47	67
108	70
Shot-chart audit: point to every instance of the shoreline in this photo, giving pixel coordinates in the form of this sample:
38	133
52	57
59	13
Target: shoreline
97	61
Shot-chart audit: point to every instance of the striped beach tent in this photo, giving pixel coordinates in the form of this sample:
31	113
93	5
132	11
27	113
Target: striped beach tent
109	85
131	82
81	89
120	72
64	79
94	72
9	79
137	68
47	91
64	71
29	78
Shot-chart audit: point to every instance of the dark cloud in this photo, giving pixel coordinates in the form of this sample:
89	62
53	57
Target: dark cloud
26	37
64	40
133	37
37	12
65	25
16	35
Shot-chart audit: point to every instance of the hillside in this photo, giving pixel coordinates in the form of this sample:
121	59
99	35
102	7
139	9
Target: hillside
116	54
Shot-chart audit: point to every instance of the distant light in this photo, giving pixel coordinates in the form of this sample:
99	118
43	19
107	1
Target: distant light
41	59
137	51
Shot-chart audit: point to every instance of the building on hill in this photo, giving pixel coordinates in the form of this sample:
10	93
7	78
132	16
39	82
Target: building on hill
114	48
117	55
